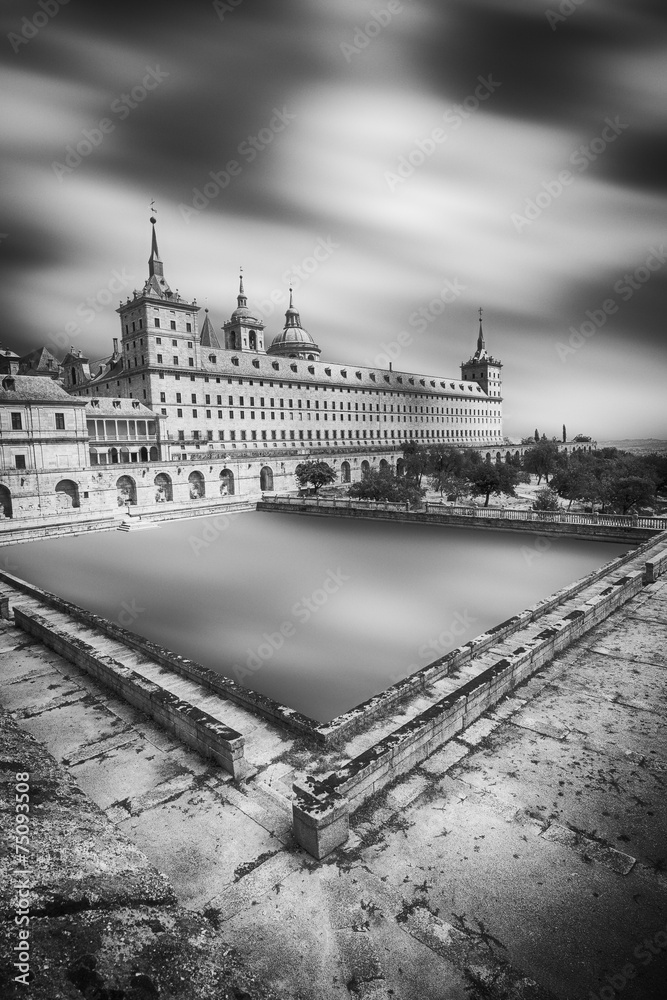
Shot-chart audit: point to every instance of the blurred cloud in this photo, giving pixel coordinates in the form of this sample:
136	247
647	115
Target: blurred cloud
353	118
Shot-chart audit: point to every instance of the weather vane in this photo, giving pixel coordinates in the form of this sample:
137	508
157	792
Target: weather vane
153	208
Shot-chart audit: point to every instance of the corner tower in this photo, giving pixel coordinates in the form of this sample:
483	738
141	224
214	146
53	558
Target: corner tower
158	326
483	369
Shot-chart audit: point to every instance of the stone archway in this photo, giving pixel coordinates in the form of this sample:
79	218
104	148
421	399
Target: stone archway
345	472
227	483
163	489
67	494
126	491
384	464
266	479
197	486
365	468
400	467
5	502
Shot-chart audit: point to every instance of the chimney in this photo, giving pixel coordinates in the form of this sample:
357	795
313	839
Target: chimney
115	345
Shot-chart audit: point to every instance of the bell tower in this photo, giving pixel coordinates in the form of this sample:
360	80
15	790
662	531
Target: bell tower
482	368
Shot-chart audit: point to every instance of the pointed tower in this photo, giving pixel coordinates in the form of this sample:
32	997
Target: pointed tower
485	371
243	331
482	368
209	338
158	326
294	341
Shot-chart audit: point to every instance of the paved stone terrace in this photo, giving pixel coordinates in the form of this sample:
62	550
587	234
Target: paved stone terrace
524	859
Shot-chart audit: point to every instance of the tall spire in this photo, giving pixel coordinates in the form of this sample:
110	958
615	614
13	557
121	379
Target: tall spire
241	297
155	267
292	317
481	346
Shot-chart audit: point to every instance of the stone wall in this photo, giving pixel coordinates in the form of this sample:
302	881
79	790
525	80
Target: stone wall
322	807
197	729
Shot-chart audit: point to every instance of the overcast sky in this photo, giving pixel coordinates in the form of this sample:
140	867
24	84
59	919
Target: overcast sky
404	162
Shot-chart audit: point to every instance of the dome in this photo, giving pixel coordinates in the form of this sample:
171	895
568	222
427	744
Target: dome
293	339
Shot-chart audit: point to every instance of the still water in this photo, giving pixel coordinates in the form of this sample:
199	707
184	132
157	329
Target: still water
318	613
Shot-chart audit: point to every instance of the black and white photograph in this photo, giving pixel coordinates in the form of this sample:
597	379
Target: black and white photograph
333	500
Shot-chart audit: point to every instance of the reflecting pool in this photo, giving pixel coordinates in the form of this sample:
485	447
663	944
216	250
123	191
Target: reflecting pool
316	612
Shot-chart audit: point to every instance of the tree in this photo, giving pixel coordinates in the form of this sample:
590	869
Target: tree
537	434
564	434
632	491
316	473
491	478
546	499
416	460
382	484
541	460
445	469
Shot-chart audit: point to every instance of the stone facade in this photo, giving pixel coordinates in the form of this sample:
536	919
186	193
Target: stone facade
241	396
178	414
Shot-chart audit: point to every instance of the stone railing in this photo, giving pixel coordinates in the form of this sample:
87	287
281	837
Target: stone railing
471	510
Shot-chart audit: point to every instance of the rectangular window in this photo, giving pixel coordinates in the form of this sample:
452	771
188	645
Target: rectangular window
181	435
195	434
163	397
208	414
156	321
194	413
175	360
188	329
158	340
19	461
191	362
172	324
60	421
17	424
159	359
178	398
189	343
232	435
209	435
193	398
221	435
207	400
179	412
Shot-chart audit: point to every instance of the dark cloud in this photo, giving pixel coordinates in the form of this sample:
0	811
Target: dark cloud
546	75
